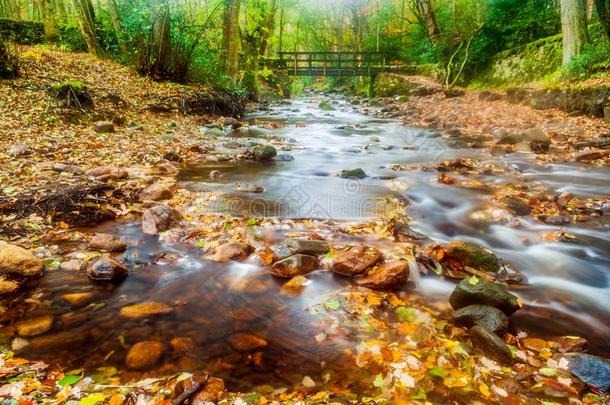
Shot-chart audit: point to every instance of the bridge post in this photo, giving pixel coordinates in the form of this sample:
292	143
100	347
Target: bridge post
372	86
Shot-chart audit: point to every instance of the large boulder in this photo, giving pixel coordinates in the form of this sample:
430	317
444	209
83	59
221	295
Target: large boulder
490	345
474	291
356	260
159	218
144	355
105	268
264	152
472	255
18	261
387	276
490	318
162	190
292	246
593	370
295	265
107	242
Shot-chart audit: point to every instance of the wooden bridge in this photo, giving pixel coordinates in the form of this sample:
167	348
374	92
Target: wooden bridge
323	63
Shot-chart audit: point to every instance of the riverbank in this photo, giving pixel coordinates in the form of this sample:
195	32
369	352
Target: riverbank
248	262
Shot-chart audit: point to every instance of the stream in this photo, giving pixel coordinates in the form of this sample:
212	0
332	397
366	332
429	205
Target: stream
567	290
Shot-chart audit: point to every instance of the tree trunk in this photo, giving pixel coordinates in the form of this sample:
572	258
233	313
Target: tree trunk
116	23
574	27
426	10
161	38
603	10
230	36
269	25
51	30
87	27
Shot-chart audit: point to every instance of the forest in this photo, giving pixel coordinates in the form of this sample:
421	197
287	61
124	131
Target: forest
256	202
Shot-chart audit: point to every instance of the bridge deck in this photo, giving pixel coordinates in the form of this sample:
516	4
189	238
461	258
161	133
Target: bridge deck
322	63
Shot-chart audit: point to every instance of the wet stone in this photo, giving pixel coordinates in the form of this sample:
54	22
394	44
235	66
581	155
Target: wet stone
357	173
107	242
292	246
356	260
78	299
572	344
106	268
264	152
70	265
490	345
159	219
18	261
249	188
387	276
144	310
481	292
231	251
144	355
593	370
473	255
182	344
516	205
163	190
245	342
34	326
486	316
8	286
295	265
213	391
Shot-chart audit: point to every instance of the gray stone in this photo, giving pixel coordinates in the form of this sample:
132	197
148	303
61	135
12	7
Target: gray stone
105	268
490	318
481	292
294	246
592	370
357	173
159	219
490	345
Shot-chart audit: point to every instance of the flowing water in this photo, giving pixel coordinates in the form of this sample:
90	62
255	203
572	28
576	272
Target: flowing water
567	293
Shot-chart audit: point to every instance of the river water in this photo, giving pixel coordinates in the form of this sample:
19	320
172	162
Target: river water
568	289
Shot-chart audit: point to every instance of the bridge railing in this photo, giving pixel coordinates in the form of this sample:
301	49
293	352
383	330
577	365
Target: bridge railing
325	63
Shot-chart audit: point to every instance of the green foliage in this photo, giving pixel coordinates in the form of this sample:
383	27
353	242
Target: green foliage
71	39
22	32
594	58
9	60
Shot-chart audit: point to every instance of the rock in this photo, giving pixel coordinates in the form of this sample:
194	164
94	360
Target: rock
63	168
295	265
248	188
292	246
57	341
105	268
8	286
107	242
21	149
264	152
572	344
490	318
162	190
231	251
490	345
593	370
357	173
387	276
472	255
173	156
213	391
144	310
591	155
105	173
481	292
34	326
246	342
71	265
19	261
159	218
375	139
556	219
182	344
284	158
102	127
168	168
214	174
230	121
516	205
539	142
144	355
78	299
356	260
509	139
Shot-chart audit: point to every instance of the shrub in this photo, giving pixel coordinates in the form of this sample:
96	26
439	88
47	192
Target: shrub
9	60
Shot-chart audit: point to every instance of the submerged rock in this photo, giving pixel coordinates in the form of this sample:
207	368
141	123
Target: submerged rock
264	152
158	219
107	242
292	246
490	345
472	291
248	188
106	268
213	391
295	265
231	251
473	255
78	299
8	286
34	326
144	310
387	276
516	205
356	260
144	355
163	190
592	370
357	173
489	317
18	261
246	342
